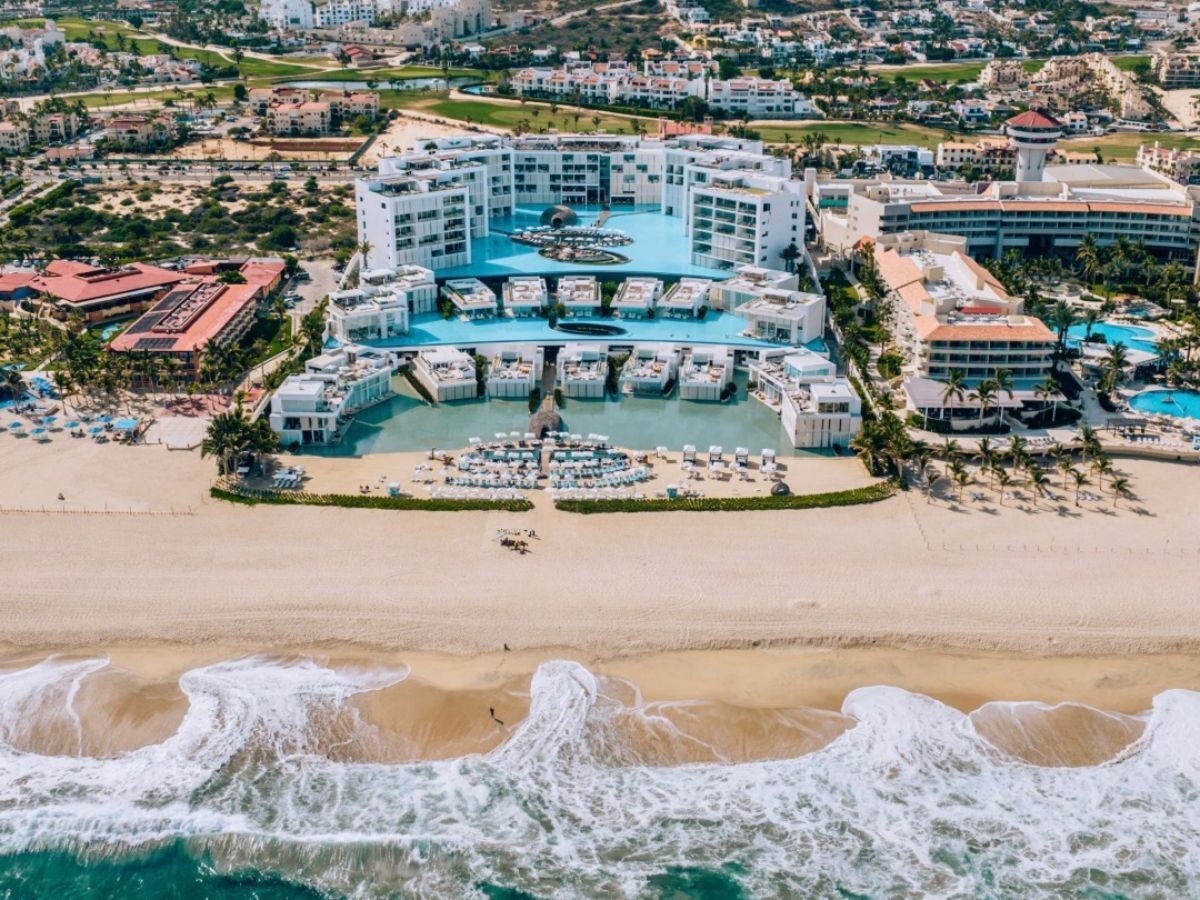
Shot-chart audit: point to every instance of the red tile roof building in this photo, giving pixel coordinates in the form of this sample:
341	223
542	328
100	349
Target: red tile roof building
189	320
101	293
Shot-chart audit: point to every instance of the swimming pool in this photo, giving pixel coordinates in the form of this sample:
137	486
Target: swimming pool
1168	403
724	328
1132	336
405	423
659	246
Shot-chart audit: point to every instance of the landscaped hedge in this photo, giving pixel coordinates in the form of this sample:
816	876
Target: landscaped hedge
365	501
870	494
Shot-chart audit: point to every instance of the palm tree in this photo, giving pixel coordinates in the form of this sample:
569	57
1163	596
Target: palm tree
930	474
1115	361
1087	440
1080	479
1102	466
869	444
1062	317
1088	255
1090	318
954	388
1037	481
960	476
789	255
224	439
1062	461
1003	480
1048	390
984	394
1120	488
14	383
988	457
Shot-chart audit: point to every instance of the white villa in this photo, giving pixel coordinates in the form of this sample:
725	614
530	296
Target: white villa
525	295
816	407
513	372
367	313
636	297
748	283
582	370
650	368
784	316
471	298
684	299
313	407
416	282
579	295
447	373
704	373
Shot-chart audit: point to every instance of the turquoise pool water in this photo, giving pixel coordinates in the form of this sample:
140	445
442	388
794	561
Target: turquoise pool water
659	246
716	328
405	423
1168	403
1132	336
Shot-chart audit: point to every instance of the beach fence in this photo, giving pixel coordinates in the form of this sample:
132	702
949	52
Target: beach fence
64	509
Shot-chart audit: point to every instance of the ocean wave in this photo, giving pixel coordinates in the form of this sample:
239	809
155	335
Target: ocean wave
274	767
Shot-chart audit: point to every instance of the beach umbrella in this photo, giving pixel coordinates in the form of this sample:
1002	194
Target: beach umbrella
104	419
95	429
38	430
16	426
49	420
72	424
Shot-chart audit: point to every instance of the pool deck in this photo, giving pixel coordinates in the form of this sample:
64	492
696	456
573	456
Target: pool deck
717	328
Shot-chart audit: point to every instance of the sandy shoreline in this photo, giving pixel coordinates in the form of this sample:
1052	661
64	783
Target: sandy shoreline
1058	579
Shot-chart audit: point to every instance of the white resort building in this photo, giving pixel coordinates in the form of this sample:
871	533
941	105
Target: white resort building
816	407
525	295
582	370
513	372
784	317
953	315
636	298
367	313
416	282
472	299
684	299
579	295
704	373
748	283
650	368
313	407
446	373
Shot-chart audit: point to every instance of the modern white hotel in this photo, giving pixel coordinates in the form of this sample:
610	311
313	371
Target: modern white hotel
586	266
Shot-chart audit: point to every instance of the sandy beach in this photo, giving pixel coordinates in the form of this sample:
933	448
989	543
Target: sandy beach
166	563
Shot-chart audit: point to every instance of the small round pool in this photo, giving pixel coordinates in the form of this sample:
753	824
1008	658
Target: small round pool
1133	336
1167	403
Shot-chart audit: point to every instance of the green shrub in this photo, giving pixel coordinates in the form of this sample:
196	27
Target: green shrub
872	493
365	501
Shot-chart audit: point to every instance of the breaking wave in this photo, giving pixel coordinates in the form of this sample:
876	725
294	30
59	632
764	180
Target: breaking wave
280	768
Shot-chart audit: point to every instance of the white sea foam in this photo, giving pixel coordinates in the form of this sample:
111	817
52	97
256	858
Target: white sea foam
910	801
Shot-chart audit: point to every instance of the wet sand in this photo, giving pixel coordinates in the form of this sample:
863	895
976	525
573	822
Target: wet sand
659	708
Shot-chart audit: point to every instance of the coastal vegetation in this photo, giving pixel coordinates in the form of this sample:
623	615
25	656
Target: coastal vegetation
251	497
871	493
122	223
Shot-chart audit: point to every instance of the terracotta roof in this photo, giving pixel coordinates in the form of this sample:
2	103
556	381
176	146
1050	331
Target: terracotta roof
12	281
206	324
1033	119
1031	330
81	283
